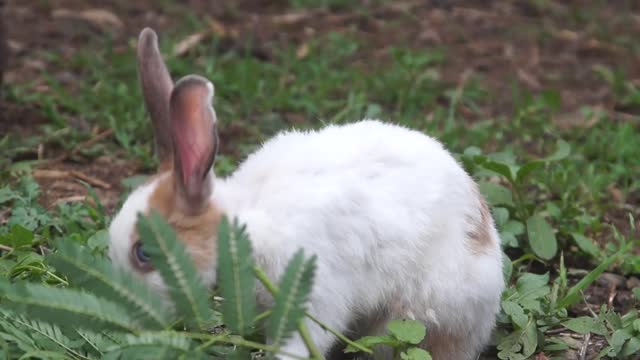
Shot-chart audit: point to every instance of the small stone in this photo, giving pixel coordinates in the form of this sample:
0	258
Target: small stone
633	282
611	279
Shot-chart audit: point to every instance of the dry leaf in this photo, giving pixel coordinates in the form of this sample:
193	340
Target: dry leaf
189	42
219	29
100	18
290	18
529	79
567	35
579	118
302	51
616	194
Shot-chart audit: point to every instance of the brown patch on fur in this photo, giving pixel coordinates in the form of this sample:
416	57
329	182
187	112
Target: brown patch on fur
479	235
198	231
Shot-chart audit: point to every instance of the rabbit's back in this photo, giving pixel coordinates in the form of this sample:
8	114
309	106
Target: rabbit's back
363	195
391	215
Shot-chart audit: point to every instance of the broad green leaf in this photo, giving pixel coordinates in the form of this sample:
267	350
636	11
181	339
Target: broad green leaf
509	231
408	331
555	344
513	227
99	241
542	240
527	169
631	347
6	194
636	325
515	312
289	308
496	194
500	169
636	293
415	354
501	216
120	286
372	341
585	244
531	288
528	282
68	307
508	240
20	236
510	347
618	339
563	150
530	338
176	267
581	325
235	277
507	267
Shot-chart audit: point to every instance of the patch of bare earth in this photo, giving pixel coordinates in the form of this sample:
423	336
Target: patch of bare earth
498	42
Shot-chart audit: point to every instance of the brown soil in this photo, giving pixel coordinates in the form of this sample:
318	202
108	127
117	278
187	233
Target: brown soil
499	42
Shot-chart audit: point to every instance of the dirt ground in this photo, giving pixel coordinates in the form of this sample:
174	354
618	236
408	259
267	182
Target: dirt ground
499	41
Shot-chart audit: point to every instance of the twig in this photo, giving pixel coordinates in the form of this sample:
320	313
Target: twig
556	331
585	345
238	342
262	277
74	198
5	248
58	174
90	179
302	327
86	144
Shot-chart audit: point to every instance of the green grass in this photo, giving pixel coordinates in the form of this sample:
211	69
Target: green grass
549	189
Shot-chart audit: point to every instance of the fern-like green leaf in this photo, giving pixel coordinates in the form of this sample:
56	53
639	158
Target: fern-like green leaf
101	342
52	333
101	278
176	267
235	277
14	334
67	307
154	345
295	287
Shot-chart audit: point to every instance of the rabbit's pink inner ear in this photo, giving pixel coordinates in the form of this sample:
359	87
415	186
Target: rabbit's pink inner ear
195	140
156	88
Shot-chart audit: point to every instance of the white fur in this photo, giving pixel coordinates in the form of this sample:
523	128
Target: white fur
386	210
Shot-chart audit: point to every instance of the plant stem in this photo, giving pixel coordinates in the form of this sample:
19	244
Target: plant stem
302	327
339	335
225	339
308	341
264	279
262	316
524	258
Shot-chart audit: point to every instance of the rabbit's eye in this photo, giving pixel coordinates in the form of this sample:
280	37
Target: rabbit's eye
140	258
140	254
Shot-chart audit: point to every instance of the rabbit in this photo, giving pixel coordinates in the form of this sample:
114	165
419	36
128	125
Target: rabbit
399	228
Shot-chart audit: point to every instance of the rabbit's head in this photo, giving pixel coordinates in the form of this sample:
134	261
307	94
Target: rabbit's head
186	142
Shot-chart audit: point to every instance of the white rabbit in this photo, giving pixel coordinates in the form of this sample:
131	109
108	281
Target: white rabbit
399	228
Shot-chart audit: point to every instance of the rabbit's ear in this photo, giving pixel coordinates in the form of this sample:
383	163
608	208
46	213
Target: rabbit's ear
195	141
156	89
